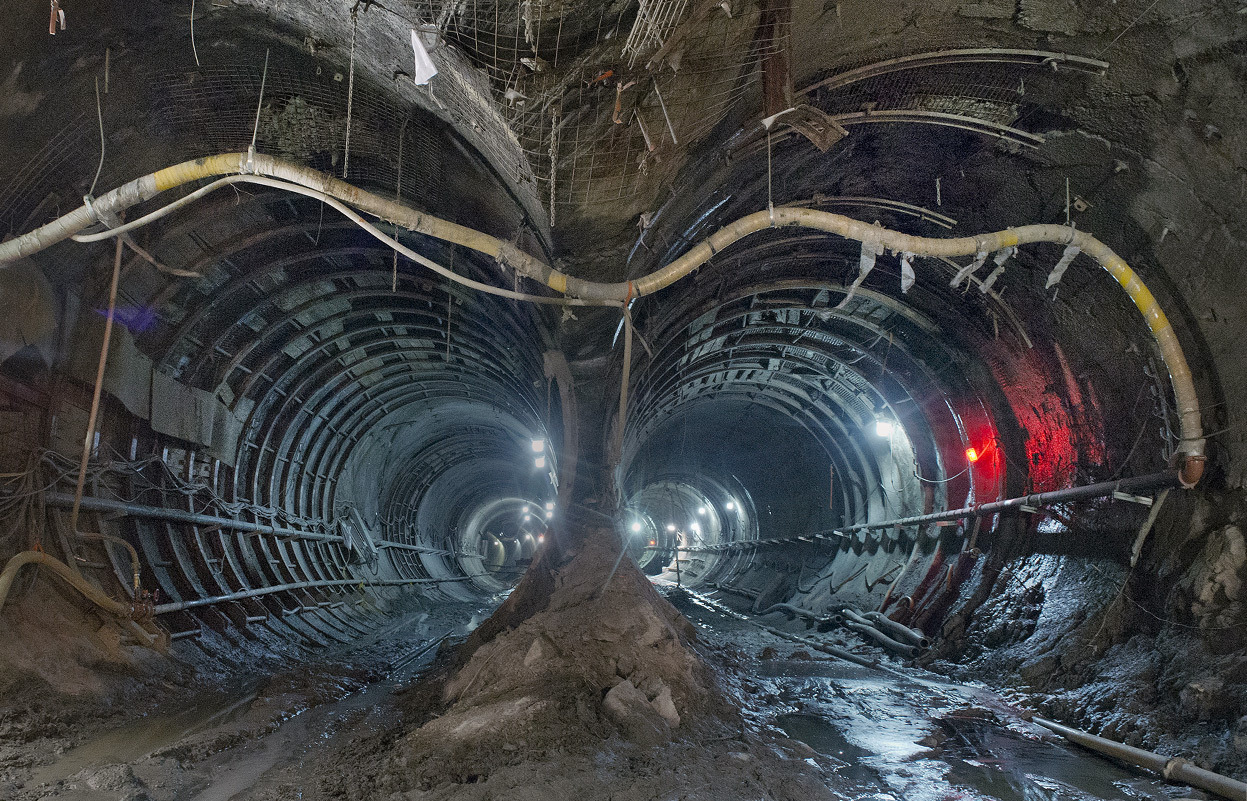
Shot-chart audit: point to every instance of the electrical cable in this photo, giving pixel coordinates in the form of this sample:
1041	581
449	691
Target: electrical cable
942	480
99	114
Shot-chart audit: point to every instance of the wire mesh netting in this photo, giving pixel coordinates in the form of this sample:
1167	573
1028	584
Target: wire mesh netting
214	110
586	108
605	104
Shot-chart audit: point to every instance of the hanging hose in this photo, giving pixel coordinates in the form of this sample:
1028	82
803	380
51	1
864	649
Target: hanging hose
134	555
67	573
1192	454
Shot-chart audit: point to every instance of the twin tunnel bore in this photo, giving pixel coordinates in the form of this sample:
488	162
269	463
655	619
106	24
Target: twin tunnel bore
301	415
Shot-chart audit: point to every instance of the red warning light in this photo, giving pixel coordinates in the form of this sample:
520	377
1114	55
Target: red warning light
653	543
972	455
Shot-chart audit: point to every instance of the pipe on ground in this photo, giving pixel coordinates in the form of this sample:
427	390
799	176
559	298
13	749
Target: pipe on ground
1175	769
791	609
884	640
897	631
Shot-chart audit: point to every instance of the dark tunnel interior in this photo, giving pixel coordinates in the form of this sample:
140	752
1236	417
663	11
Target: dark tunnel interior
638	399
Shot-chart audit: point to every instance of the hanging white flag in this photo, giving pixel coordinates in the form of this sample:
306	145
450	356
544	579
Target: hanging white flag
425	69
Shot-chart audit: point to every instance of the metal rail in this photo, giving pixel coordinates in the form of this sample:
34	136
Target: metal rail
942	58
179	606
93	504
1125	486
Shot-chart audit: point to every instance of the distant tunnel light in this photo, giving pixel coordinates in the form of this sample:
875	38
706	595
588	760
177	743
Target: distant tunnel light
525	509
527	518
730	506
539	445
549	514
671	527
972	455
636	527
701	510
541	538
549	506
884	427
539	462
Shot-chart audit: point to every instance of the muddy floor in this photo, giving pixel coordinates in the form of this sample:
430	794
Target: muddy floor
332	729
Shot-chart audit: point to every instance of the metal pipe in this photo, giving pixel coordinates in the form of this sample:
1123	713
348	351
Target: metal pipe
253	164
1153	481
1174	769
161	609
93	504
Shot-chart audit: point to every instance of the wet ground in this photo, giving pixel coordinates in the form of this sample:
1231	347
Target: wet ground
905	733
254	737
896	733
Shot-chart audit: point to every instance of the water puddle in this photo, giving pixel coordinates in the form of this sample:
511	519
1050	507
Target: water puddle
973	757
818	733
995	762
138	738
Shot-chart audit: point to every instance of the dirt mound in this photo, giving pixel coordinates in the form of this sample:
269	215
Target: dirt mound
598	689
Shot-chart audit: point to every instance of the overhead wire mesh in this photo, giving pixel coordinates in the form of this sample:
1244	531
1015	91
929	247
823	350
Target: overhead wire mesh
599	119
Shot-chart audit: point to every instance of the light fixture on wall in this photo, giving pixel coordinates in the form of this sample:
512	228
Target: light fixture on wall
884	424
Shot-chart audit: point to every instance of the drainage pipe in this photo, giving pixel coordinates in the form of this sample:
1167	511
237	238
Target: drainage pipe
887	642
1174	769
903	633
1191	466
90	592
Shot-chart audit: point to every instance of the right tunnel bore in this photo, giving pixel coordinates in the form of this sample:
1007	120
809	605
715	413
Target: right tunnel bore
777	417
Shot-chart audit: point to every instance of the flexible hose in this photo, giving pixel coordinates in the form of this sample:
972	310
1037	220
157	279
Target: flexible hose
134	555
887	642
903	633
141	189
14	566
789	608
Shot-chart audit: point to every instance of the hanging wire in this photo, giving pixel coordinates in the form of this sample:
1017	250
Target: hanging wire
398	193
350	92
99	114
194	49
